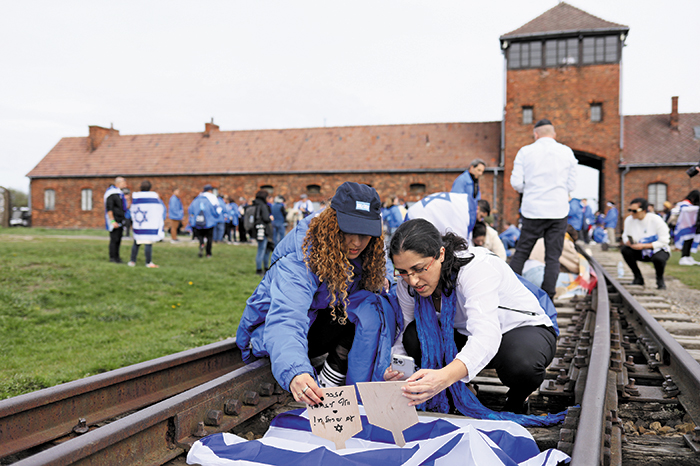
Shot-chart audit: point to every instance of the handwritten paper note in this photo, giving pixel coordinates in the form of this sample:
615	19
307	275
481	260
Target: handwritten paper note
338	417
387	408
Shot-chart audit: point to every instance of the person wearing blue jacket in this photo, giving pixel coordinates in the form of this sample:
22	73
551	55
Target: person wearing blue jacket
575	218
176	212
610	222
321	295
279	222
204	213
468	182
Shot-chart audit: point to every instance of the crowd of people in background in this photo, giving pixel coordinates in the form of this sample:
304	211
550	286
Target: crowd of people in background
384	274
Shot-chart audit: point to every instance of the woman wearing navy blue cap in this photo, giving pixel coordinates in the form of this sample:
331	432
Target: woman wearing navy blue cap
321	296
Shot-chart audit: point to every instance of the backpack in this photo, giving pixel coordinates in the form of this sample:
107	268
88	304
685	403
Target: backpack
200	221
250	218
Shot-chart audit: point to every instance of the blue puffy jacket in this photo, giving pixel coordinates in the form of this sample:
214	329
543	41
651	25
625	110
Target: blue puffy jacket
277	317
212	214
575	214
464	183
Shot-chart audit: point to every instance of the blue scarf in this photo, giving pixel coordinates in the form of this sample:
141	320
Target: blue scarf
438	349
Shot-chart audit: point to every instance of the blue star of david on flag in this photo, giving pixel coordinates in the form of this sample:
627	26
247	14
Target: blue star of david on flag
427	199
140	216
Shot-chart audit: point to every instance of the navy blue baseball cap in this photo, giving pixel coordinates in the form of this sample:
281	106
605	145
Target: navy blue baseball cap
357	207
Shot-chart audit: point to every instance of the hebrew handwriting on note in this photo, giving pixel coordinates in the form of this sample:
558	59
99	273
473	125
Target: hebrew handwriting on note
337	418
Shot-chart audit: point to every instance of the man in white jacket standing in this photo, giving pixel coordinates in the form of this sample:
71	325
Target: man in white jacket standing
645	238
545	173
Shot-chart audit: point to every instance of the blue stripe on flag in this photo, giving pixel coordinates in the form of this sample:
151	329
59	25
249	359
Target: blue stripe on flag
519	448
442	451
261	453
146	200
139	231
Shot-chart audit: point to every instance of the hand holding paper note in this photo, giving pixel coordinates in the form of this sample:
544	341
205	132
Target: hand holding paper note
338	417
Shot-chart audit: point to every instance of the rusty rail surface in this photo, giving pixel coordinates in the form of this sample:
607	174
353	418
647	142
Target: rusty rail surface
588	446
673	358
167	429
39	417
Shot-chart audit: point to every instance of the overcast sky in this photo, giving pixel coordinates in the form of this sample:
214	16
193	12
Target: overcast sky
170	66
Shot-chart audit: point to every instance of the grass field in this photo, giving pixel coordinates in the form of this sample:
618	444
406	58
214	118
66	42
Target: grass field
66	312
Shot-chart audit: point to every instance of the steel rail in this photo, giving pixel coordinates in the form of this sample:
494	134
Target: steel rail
685	369
39	417
588	443
165	430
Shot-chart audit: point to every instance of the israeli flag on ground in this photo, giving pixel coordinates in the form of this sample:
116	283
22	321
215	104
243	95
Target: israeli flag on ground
147	214
685	227
433	441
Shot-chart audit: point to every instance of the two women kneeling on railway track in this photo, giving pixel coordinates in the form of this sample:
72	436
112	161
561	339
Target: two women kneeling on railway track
325	292
463	312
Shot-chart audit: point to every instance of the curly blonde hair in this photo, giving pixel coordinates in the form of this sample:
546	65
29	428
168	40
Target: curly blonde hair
325	256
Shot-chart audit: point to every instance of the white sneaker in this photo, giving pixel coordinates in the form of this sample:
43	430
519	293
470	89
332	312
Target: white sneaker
131	264
686	261
330	378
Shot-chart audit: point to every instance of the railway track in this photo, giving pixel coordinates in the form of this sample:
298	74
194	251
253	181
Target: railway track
637	388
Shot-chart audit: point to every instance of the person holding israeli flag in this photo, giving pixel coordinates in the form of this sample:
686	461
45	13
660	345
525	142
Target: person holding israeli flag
148	217
115	208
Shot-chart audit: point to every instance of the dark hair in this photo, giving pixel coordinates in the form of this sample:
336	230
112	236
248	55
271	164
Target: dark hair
479	229
572	232
484	206
694	197
421	236
145	185
643	203
262	194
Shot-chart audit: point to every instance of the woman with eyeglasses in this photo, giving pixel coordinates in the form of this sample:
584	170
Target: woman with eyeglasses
465	311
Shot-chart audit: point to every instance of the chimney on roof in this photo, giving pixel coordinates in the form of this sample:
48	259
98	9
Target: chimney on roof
210	128
674	113
99	134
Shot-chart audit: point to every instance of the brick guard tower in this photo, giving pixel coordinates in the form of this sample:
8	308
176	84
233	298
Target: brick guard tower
564	65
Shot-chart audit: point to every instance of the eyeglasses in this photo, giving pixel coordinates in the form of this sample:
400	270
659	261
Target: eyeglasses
405	275
634	211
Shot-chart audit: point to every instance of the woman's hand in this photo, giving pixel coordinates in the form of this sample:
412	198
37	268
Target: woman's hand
392	375
305	389
426	383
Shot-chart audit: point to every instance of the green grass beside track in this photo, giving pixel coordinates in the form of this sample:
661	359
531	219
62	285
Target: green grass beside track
66	312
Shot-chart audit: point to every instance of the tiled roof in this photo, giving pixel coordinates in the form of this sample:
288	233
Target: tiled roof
561	19
419	147
648	139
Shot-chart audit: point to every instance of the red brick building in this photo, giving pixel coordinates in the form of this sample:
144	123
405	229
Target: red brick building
563	65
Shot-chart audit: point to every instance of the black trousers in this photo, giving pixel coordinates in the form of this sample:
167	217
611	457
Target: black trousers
242	235
521	360
659	260
207	233
115	242
329	336
687	246
553	232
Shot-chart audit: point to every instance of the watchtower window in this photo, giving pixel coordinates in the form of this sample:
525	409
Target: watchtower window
602	49
596	112
527	115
